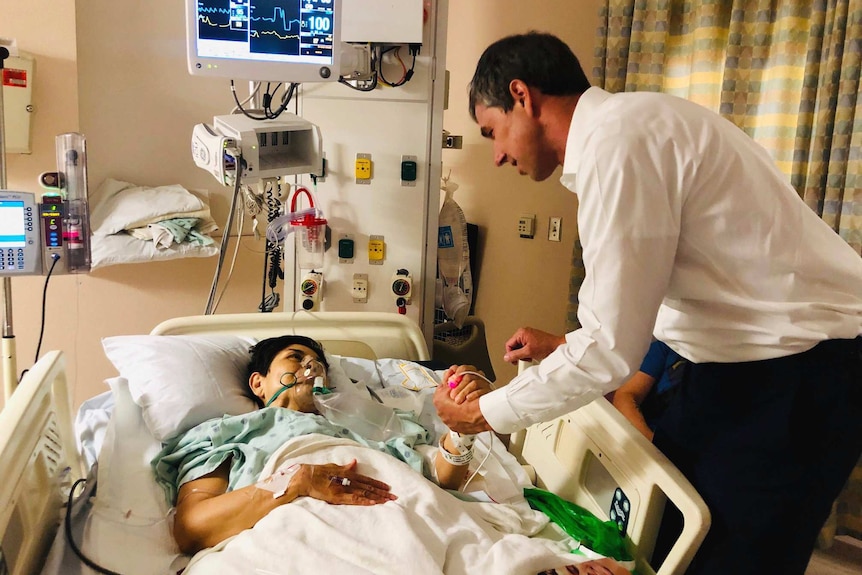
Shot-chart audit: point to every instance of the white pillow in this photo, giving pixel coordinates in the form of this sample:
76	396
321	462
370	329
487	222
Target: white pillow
124	206
180	381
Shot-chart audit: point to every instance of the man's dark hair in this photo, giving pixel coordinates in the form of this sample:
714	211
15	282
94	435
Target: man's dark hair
264	352
540	60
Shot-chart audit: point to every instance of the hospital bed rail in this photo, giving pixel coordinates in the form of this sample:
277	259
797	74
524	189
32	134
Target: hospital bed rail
590	453
39	454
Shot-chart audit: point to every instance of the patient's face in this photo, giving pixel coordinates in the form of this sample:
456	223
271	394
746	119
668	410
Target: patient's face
291	368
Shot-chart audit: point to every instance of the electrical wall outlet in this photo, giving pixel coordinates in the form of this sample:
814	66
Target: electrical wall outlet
360	288
555	228
527	226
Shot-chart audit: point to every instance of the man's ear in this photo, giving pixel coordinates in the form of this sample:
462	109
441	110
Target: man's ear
255	383
522	95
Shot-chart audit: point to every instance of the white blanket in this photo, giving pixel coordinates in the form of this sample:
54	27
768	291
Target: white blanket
425	531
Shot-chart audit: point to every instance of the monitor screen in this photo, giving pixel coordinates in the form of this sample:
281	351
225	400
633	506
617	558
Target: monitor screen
12	225
267	40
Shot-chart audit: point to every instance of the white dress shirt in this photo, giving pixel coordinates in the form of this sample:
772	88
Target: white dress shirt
690	233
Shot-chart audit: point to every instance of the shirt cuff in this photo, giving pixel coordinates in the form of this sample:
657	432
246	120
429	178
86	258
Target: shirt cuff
498	413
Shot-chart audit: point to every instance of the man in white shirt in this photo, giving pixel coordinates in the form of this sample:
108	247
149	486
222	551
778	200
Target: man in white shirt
692	235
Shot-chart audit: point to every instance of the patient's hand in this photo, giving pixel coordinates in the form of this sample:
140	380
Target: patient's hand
340	485
208	513
464	386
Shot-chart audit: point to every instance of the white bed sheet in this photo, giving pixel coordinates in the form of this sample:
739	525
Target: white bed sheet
91	423
128	526
426	531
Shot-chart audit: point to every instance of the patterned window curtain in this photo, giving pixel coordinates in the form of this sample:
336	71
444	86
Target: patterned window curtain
787	73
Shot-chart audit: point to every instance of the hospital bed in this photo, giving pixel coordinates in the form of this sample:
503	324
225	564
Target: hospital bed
591	457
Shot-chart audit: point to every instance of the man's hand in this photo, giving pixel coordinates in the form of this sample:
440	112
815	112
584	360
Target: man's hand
531	344
464	385
463	418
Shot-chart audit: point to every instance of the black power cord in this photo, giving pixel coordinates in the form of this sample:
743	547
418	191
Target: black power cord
68	529
408	73
56	258
267	99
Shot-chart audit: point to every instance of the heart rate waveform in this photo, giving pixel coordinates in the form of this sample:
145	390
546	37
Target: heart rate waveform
223	20
275	27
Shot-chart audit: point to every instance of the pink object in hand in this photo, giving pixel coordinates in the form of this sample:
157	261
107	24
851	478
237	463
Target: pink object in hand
454	381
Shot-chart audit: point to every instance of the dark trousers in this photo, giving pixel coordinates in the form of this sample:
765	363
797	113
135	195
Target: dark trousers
768	445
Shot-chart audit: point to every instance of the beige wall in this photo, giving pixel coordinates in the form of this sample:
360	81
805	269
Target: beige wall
46	29
138	130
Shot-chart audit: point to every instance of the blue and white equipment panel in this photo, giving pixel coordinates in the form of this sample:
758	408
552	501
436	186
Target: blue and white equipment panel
20	248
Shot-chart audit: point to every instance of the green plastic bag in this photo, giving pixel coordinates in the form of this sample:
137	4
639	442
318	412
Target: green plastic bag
603	537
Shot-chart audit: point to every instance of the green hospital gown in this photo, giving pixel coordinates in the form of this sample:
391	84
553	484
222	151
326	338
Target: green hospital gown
248	440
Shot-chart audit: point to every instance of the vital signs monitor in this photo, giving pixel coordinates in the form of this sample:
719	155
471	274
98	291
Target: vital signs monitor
266	40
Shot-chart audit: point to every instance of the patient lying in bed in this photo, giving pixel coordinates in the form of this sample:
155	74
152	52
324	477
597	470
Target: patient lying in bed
311	474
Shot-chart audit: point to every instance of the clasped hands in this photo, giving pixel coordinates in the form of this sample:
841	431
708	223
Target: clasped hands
457	399
458	405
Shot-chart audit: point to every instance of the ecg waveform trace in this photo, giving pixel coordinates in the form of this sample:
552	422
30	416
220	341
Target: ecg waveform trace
282	32
222	20
272	27
269	26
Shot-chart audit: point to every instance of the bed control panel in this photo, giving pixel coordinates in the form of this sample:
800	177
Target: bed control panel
20	245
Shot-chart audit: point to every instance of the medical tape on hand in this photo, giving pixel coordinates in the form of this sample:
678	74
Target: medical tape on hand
279	481
462	443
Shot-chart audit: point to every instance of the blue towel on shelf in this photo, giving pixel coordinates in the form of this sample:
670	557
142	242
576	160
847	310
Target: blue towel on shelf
183	230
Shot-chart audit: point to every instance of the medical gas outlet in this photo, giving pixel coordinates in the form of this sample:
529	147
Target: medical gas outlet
311	291
402	289
363	168
376	250
360	288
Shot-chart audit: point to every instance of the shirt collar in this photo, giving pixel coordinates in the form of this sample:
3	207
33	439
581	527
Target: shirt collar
585	112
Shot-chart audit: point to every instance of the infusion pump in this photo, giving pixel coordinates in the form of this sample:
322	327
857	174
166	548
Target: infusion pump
20	245
32	240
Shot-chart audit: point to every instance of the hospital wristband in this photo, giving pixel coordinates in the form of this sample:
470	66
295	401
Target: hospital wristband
458	460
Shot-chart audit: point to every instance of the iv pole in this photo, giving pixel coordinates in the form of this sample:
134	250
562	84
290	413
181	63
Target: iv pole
10	367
